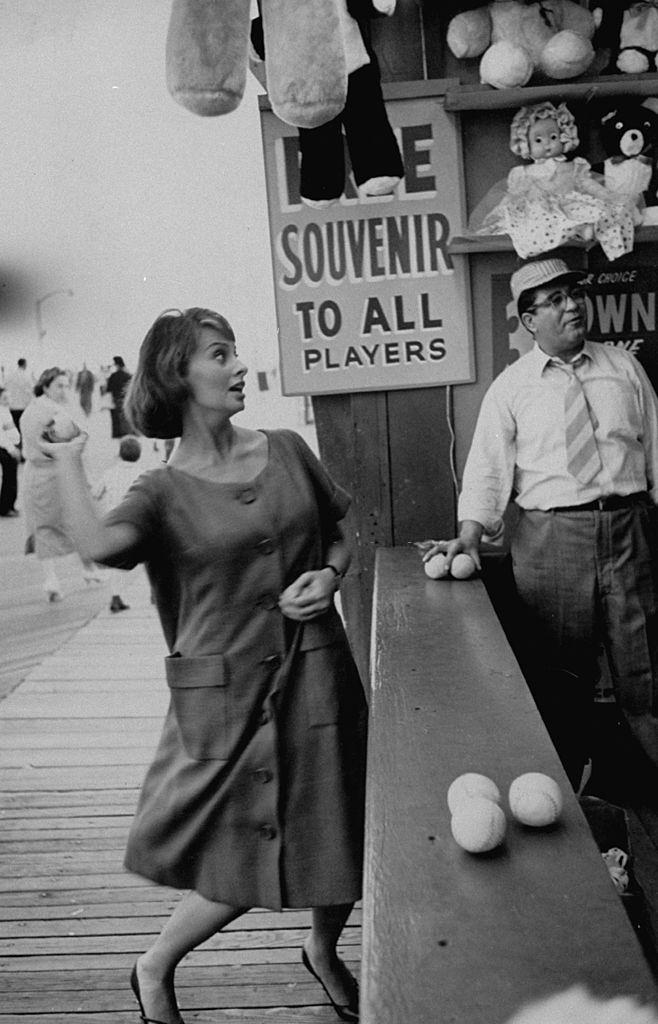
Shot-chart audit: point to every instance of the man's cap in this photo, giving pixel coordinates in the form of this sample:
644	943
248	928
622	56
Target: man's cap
539	273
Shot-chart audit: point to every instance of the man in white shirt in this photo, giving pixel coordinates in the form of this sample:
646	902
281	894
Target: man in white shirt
570	431
19	387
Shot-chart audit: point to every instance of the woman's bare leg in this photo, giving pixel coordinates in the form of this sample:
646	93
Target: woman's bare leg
193	921
327	926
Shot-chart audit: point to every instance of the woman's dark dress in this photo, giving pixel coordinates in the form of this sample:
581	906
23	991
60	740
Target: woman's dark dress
255	795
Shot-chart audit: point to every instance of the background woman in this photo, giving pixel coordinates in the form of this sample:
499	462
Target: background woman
47	534
255	795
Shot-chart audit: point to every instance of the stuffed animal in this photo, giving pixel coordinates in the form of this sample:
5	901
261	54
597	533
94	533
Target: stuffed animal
519	38
630	31
374	154
554	199
208	47
629	136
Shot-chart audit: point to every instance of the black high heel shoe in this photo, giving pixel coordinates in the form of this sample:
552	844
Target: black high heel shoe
347	1011
134	984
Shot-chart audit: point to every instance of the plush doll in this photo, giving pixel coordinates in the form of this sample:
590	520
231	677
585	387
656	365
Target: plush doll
208	47
630	31
629	136
518	38
554	200
373	149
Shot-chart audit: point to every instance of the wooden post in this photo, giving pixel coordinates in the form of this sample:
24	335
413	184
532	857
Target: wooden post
389	449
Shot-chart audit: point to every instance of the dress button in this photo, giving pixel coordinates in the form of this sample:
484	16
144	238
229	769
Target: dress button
268	831
263	775
266	546
247	495
265	717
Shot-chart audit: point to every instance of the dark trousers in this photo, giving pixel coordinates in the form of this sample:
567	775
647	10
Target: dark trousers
586	578
9	486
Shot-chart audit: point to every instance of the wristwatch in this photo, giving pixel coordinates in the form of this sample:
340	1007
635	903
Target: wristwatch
336	573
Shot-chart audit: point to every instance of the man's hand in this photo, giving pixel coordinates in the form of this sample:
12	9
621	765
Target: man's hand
310	595
467	543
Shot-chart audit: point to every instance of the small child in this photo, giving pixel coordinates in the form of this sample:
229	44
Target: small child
110	490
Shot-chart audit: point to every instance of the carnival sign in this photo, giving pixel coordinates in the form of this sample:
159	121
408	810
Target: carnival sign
368	296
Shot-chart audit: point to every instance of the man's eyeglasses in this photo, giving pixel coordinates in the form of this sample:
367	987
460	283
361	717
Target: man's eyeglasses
559	298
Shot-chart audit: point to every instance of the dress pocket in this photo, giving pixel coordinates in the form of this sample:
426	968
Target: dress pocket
200	698
324	654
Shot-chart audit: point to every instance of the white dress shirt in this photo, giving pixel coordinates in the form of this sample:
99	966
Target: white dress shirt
519	448
9	436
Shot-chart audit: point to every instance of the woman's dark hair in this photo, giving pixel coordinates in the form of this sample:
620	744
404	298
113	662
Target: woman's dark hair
46	379
158	390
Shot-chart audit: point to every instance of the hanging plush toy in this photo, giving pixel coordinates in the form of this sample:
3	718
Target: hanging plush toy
629	136
630	31
554	199
517	38
208	47
374	154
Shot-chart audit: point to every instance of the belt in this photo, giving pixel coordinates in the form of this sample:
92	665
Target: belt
607	504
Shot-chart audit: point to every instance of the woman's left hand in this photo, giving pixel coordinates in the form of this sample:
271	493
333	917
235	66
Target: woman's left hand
310	595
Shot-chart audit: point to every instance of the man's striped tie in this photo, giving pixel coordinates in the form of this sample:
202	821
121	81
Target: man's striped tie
583	459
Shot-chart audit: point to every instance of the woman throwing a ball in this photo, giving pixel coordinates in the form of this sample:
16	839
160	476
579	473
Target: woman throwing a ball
47	534
255	796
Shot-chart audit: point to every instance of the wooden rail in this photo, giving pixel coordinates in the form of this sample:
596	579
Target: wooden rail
448	936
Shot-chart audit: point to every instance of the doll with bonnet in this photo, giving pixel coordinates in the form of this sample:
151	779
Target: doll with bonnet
554	199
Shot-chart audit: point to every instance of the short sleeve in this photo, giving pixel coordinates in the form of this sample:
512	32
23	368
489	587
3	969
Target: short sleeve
139	508
333	501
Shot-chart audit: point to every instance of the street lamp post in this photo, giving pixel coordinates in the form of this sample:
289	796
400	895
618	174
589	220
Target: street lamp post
41	330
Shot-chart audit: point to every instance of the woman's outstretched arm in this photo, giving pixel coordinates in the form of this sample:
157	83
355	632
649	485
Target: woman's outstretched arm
93	539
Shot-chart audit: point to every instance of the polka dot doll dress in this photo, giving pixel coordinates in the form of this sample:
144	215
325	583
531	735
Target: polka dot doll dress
555	201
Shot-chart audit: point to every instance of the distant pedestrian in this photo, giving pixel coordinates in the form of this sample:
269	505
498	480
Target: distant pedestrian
109	492
9	458
116	386
47	534
20	391
84	385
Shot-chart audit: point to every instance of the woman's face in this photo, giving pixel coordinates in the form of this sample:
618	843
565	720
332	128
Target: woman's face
57	389
544	139
215	375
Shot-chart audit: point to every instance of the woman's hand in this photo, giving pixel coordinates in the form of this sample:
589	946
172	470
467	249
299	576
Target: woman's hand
310	595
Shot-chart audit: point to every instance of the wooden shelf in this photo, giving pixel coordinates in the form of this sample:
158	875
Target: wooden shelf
484	97
493	243
503	243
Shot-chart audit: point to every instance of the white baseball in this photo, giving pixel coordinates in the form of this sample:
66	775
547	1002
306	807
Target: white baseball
478	825
462	566
435	567
535	799
62	428
471	784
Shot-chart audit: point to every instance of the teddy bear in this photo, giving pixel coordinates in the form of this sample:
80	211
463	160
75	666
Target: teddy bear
629	31
373	149
207	55
518	38
629	137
